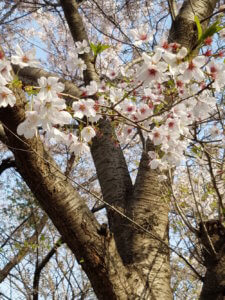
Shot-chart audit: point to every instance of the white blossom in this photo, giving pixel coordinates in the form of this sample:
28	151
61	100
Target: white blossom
6	97
25	59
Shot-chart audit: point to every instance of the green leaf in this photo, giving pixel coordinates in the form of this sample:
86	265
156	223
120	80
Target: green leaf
42	238
196	150
211	30
199	27
99	48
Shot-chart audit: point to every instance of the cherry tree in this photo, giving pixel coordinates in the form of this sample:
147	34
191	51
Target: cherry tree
141	109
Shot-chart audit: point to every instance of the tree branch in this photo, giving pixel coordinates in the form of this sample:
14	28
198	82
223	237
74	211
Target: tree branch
78	32
30	76
24	250
172	9
40	267
108	157
7	164
67	210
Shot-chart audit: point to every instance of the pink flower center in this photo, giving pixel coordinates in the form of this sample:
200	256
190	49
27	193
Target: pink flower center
129	108
143	37
171	124
142	110
4	95
179	83
129	130
82	107
25	59
165	45
191	66
150	105
96	106
152	72
213	69
156	135
1	55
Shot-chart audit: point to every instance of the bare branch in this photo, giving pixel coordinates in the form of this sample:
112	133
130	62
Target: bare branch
78	33
24	250
172	8
41	266
7	164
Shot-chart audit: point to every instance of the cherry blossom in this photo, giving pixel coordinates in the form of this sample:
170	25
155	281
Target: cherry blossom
175	60
152	68
192	69
128	107
5	72
79	148
28	128
6	97
90	89
80	64
87	133
203	106
217	72
116	95
82	47
155	163
157	135
164	77
50	87
141	35
25	59
144	111
84	108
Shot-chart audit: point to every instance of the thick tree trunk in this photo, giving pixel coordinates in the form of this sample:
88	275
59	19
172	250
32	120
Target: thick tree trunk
78	227
212	234
149	207
183	29
134	265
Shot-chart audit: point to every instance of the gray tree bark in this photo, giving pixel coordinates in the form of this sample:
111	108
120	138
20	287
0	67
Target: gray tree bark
124	262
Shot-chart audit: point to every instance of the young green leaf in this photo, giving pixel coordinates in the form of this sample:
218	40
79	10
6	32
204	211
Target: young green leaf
199	27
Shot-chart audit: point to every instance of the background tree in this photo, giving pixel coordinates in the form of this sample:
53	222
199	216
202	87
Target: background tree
130	257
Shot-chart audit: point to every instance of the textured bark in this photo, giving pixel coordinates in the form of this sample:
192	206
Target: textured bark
183	30
141	269
114	180
214	261
149	207
109	160
69	213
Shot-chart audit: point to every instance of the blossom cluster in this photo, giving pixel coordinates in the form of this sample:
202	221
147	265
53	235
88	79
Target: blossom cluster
6	95
163	97
47	109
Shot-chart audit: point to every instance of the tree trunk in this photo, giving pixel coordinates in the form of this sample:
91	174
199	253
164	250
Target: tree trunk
146	253
212	233
123	263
